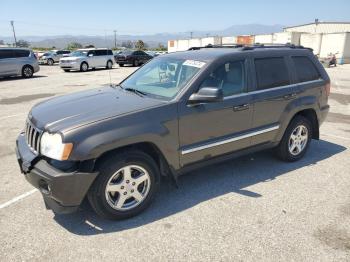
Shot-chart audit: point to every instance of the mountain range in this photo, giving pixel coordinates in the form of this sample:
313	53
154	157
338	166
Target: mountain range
61	41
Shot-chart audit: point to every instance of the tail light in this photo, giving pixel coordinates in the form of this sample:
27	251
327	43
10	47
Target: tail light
328	88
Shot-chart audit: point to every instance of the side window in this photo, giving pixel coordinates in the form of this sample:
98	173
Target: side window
59	52
92	52
109	52
305	69
271	72
229	76
6	54
22	53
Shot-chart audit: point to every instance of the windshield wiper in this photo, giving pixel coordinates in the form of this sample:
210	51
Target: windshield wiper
138	92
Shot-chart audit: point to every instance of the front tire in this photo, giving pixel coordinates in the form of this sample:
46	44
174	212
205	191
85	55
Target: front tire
50	62
84	67
126	185
66	70
121	65
27	71
296	140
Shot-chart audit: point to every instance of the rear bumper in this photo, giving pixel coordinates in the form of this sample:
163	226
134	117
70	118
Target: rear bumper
323	114
62	191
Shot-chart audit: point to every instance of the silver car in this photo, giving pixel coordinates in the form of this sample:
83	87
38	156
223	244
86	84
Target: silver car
83	59
18	61
53	56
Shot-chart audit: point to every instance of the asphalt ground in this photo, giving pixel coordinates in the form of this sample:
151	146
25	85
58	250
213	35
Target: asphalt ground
254	208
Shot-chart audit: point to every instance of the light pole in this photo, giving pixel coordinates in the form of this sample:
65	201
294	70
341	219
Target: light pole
115	38
14	33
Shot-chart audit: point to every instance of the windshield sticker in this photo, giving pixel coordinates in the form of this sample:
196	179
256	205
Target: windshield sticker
194	63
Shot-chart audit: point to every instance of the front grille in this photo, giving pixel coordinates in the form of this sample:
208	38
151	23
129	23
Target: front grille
33	136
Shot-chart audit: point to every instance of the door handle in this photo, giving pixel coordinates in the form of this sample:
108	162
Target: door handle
290	96
241	107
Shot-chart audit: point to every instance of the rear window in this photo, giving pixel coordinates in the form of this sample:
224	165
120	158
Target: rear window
271	72
305	69
22	53
6	54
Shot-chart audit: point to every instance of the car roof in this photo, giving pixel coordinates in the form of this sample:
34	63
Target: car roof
210	54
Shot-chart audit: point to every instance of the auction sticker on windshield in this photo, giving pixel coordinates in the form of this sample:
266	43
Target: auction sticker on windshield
194	63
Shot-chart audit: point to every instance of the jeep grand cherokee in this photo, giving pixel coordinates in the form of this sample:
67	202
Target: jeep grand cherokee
177	112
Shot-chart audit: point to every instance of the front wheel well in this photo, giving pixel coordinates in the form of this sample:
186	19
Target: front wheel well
311	115
147	147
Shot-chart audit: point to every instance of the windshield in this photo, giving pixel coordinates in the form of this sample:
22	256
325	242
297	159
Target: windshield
163	77
78	53
127	52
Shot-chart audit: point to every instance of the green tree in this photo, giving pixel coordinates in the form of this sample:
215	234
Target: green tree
140	45
23	43
74	45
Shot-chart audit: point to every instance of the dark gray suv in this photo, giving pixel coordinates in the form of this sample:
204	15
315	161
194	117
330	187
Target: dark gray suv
178	112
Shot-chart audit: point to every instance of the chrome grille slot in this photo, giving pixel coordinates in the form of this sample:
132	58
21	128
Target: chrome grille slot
33	136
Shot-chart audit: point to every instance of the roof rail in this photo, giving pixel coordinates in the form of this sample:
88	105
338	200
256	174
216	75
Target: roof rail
254	46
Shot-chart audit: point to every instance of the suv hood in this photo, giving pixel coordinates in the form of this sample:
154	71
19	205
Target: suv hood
71	111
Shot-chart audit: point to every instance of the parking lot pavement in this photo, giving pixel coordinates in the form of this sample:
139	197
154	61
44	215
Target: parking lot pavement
254	208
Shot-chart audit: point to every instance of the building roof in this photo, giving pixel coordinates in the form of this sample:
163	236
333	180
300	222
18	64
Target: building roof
313	23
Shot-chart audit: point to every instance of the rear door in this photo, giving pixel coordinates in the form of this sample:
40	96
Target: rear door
273	93
213	129
7	62
22	58
92	58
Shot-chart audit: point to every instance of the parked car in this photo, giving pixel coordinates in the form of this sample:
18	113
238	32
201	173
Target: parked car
49	58
178	112
85	59
18	61
152	53
135	58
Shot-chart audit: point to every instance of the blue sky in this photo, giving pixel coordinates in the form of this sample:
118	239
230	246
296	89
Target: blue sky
75	17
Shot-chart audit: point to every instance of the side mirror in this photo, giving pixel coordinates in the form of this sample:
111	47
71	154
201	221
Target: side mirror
206	95
90	55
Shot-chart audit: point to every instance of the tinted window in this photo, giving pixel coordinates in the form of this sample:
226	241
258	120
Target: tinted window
22	53
60	52
6	54
91	52
101	52
305	69
230	77
271	72
109	52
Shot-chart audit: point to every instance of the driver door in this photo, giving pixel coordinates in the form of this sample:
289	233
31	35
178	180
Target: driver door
211	129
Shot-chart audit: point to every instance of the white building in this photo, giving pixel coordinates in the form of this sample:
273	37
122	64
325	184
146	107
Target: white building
320	28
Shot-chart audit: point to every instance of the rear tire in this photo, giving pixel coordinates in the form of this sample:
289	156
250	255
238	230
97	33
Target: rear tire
109	64
119	179
295	140
84	67
136	63
27	71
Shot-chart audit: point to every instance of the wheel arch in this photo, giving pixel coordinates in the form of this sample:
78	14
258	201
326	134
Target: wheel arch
311	115
148	148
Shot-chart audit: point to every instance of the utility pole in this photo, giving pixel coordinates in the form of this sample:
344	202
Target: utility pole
115	38
191	33
14	33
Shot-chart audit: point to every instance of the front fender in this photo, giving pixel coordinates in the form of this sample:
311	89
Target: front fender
158	126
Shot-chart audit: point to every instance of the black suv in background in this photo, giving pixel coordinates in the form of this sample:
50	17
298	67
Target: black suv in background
129	57
178	112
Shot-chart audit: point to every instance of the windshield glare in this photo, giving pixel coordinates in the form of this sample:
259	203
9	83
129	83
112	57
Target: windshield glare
163	77
78	53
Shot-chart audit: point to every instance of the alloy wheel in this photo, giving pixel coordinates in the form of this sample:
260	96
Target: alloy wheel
127	187
298	140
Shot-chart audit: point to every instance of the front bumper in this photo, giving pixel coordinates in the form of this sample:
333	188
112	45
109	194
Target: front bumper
73	66
62	191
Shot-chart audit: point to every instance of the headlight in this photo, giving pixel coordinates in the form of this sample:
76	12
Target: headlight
51	146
